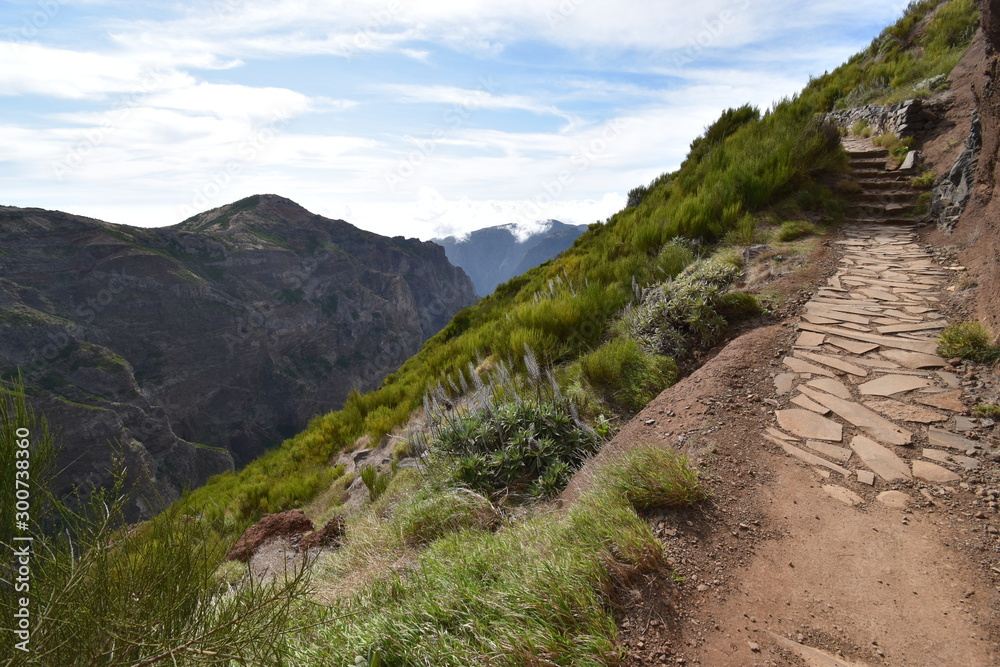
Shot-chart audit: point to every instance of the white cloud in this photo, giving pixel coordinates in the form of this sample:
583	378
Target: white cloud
153	119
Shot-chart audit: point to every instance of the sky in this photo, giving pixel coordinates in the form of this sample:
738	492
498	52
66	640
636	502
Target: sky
420	118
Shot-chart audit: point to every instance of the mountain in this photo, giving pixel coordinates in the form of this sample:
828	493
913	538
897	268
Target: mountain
231	329
494	255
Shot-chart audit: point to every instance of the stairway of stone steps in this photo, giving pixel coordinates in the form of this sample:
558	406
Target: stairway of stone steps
886	197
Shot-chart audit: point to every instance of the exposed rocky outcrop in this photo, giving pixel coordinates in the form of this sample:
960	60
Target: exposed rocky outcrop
230	329
495	255
293	523
951	193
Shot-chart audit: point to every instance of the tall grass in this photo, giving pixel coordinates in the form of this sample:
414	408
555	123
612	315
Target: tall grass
541	591
104	593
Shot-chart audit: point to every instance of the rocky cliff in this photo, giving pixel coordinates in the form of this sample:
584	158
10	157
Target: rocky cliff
495	255
194	348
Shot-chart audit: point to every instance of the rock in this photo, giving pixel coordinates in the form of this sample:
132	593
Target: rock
931	472
807	424
912	161
329	536
888	385
896	499
881	459
951	193
845	496
270	527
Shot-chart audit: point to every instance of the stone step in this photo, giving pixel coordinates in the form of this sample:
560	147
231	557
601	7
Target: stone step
878	163
886	220
882	183
885	197
880	211
870	153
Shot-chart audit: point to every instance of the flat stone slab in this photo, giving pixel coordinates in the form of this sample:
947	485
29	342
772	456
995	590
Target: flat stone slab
871	422
943	438
845	496
906	412
887	385
809	339
903	328
949	379
834	362
964	424
914	360
813	318
895	499
783	382
780	435
880	459
881	365
866	477
885	341
819	310
809	425
831	386
940	456
945	401
853	346
804	401
812	459
839	454
932	472
803	366
879	295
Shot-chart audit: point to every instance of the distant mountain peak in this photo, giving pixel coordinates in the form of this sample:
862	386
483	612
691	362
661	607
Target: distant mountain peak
496	254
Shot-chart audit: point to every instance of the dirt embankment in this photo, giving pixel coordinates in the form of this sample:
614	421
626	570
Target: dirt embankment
976	236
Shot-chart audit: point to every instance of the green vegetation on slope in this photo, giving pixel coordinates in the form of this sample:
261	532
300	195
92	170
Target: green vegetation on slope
746	167
541	589
564	310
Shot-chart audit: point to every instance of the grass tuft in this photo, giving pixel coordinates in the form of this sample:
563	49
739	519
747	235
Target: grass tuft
987	411
649	477
968	340
791	230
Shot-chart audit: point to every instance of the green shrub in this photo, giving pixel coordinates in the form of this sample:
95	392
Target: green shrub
858	128
736	306
924	181
103	592
791	230
517	440
650	476
923	204
987	411
376	482
952	27
968	340
626	376
681	316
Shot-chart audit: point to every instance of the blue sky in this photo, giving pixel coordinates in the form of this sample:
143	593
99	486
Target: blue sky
416	118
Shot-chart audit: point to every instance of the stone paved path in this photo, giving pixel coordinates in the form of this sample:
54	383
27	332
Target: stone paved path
863	381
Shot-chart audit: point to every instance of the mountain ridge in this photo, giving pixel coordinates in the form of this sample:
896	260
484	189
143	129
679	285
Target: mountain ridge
162	336
494	255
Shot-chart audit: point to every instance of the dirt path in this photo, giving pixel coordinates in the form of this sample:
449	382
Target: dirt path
853	518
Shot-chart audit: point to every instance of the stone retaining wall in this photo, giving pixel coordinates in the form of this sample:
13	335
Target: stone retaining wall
912	118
